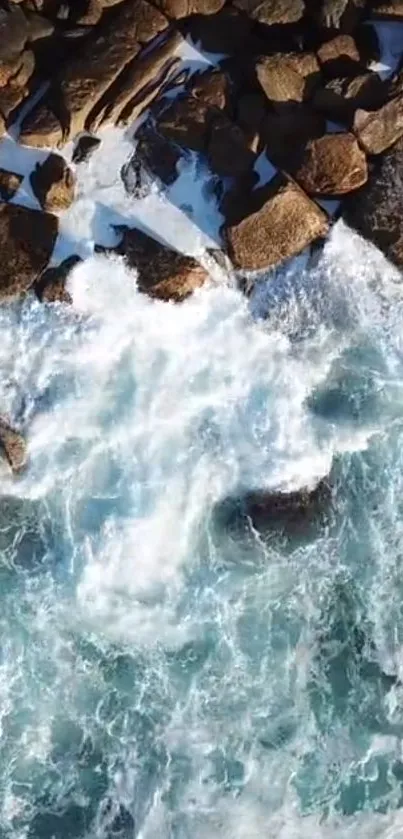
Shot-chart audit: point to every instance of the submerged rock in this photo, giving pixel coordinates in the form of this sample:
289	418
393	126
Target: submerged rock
27	239
13	446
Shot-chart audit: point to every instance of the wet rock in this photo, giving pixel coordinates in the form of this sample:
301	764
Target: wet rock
13	32
27	240
212	88
157	155
184	8
287	134
279	222
273	12
386	9
51	285
10	182
339	57
340	98
228	152
53	184
340	15
41	128
85	146
162	272
332	166
378	130
225	32
287	78
136	180
12	446
376	211
186	122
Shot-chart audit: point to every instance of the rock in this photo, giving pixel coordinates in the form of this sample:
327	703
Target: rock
91	15
162	272
10	182
41	127
10	68
339	57
340	15
27	239
2	127
13	32
139	84
278	224
186	121
13	446
39	27
341	98
225	32
389	10
184	8
273	12
53	184
158	156
136	180
240	195
212	88
287	78
287	134
378	130
50	287
251	113
85	146
27	66
376	211
227	151
332	166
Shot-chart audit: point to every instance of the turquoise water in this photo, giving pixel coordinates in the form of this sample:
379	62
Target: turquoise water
165	671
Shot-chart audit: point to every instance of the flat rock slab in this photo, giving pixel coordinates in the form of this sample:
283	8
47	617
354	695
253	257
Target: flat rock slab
27	239
378	130
162	272
282	224
376	211
332	165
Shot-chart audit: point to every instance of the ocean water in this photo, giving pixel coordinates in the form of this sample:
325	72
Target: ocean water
166	670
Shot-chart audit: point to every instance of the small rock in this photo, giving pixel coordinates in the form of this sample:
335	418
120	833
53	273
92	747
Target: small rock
158	156
339	57
50	288
53	184
27	239
273	12
378	130
278	224
13	446
228	152
136	181
332	166
85	146
10	182
162	272
287	78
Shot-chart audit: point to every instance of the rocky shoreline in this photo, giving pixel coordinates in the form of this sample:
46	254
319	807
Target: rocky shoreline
297	90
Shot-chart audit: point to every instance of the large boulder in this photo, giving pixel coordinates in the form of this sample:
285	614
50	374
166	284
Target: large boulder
53	184
338	15
287	78
162	272
27	240
273	12
378	130
12	446
332	166
376	211
279	222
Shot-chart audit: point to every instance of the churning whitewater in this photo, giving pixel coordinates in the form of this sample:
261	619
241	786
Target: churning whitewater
164	673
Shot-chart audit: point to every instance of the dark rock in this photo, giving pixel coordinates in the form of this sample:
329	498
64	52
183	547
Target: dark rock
50	287
273	12
13	446
339	57
368	44
10	182
38	27
287	134
162	272
85	146
341	98
53	183
225	32
136	180
228	152
279	222
378	130
157	155
251	112
376	211
234	201
212	88
27	239
184	8
338	15
332	166
186	121
41	127
13	32
287	78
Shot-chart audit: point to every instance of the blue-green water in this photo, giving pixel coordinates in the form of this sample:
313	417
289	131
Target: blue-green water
163	672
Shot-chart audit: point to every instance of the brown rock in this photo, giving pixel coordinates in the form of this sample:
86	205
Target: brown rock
184	8
340	15
39	27
2	127
186	122
41	128
239	199
378	130
212	88
227	151
376	211
162	272
341	98
50	288
86	144
273	12
13	32
339	57
91	15
332	165
281	224
8	69
53	183
389	10
27	239
287	134
10	182
13	446
157	155
21	78
287	78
